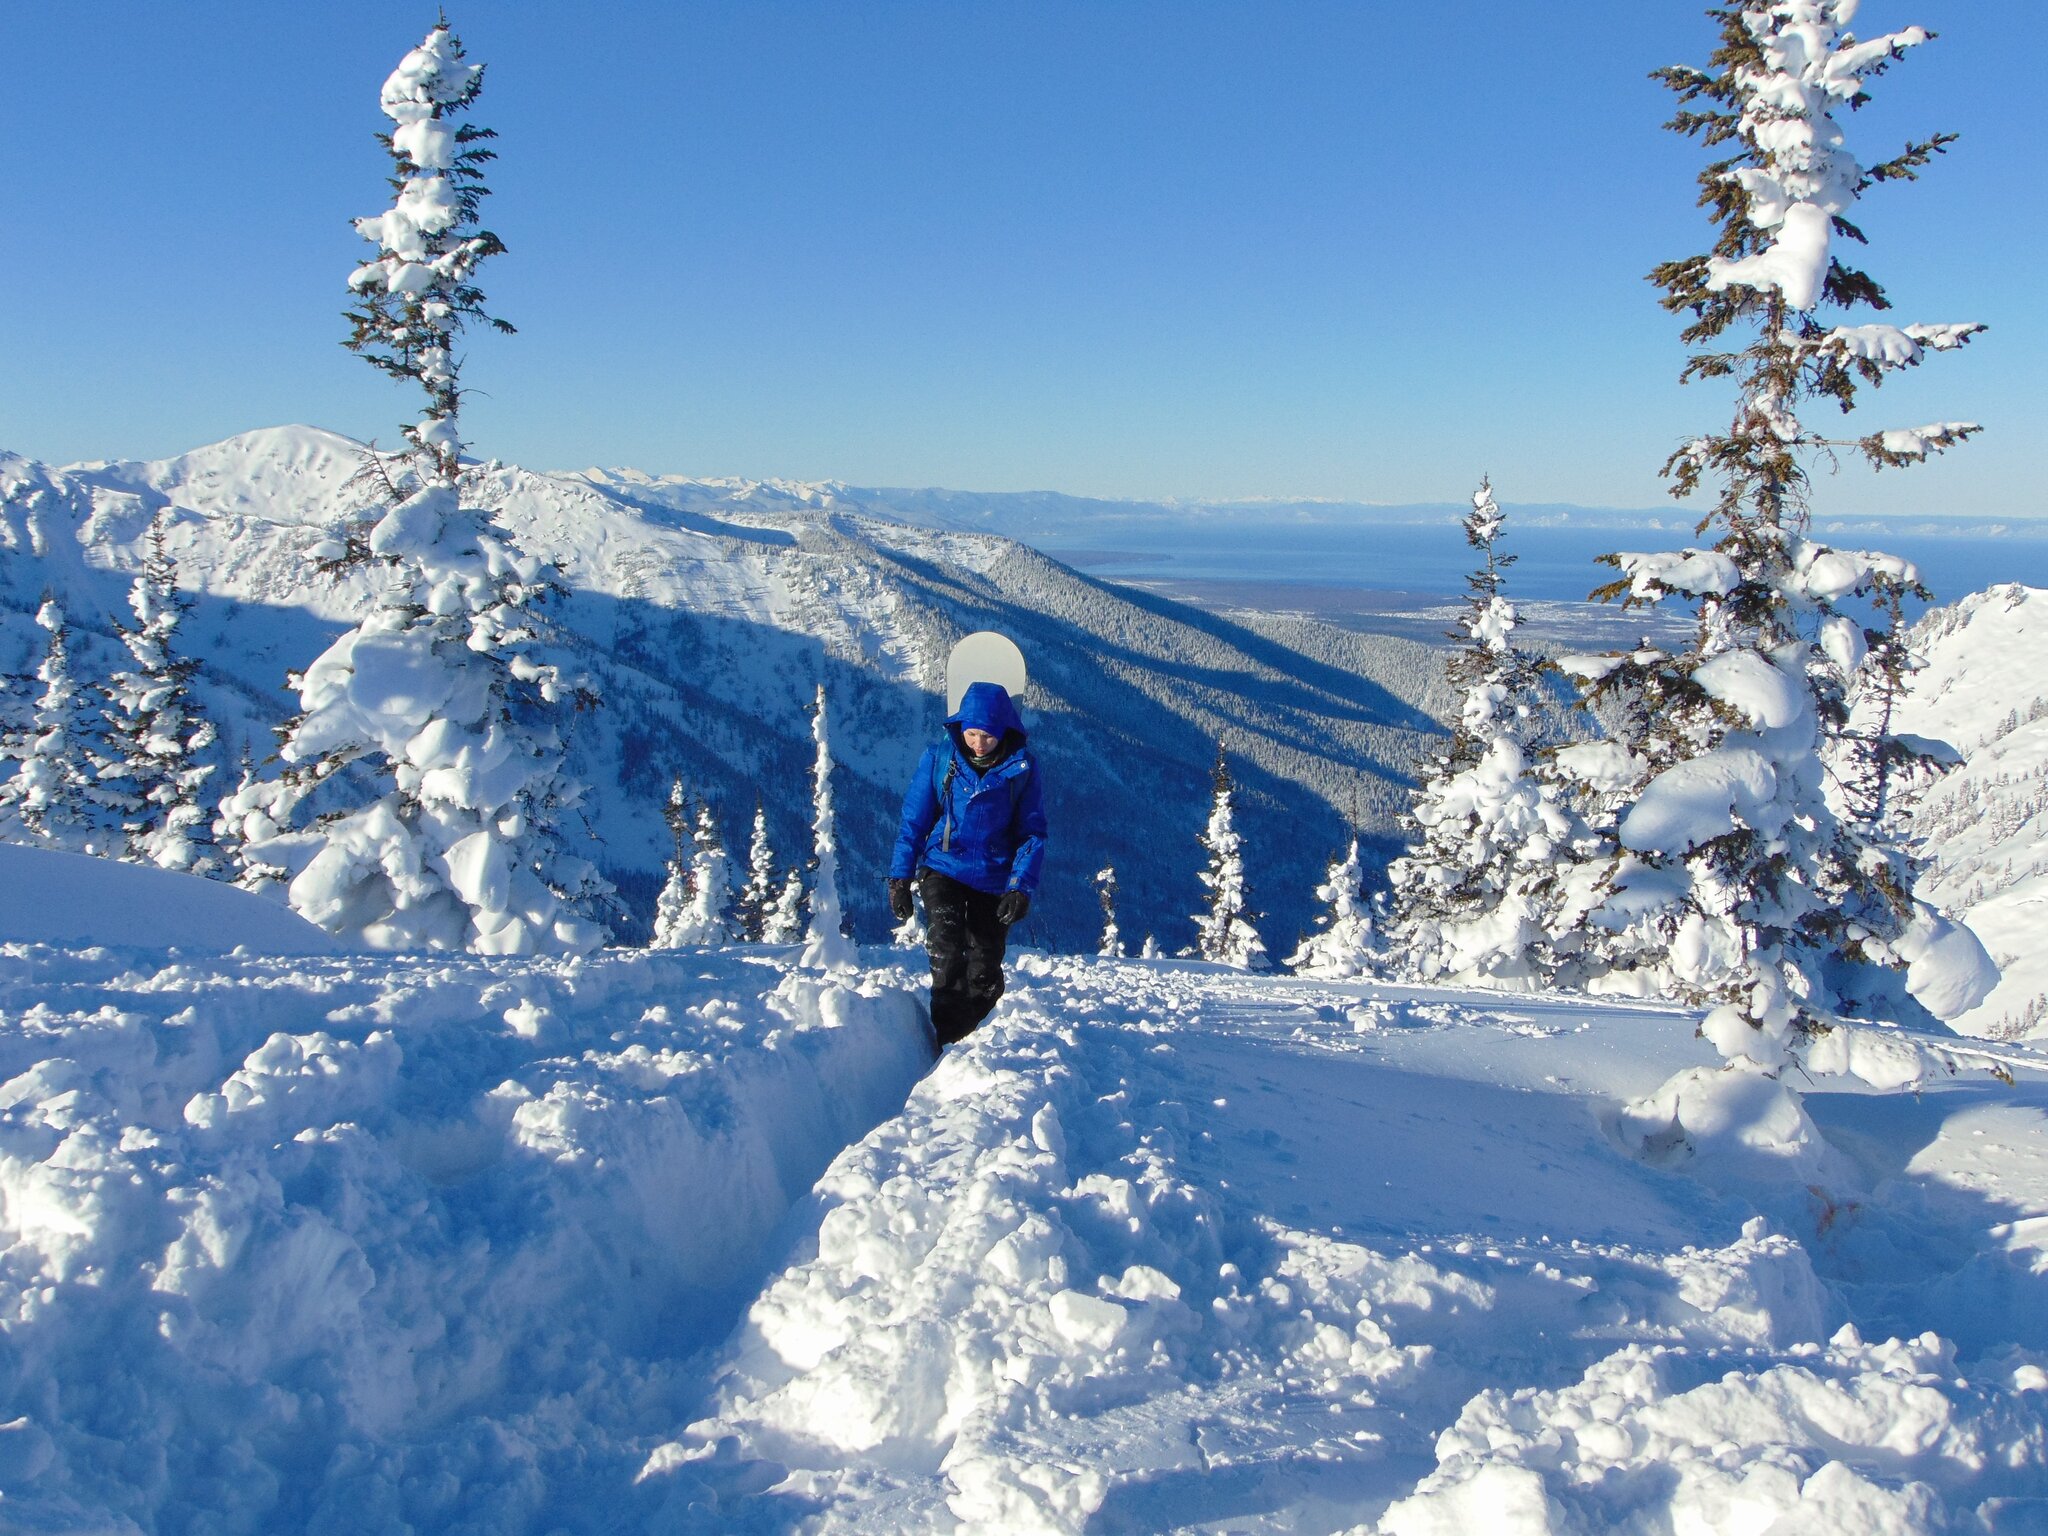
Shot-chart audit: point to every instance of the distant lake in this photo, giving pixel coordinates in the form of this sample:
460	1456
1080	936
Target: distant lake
1553	564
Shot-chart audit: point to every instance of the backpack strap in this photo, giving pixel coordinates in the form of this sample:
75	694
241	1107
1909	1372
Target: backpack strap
945	793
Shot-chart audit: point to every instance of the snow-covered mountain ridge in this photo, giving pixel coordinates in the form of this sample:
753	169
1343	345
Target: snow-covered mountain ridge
707	618
1983	689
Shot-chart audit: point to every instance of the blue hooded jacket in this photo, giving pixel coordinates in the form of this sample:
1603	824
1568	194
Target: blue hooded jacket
984	829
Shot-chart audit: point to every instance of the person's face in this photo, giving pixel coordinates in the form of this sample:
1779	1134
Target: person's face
979	743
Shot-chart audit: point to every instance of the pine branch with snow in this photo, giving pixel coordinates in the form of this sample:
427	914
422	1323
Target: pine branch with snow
1733	879
825	947
1224	932
160	737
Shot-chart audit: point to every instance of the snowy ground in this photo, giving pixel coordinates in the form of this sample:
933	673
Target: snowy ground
473	1245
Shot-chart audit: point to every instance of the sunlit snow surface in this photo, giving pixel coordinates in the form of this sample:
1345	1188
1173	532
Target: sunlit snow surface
523	1246
1983	688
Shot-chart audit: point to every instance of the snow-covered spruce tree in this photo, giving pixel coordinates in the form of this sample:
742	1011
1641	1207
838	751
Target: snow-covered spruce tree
709	918
825	947
242	823
1223	930
1767	901
160	739
672	906
441	693
695	898
784	921
756	900
55	793
1343	944
1112	945
16	705
1469	903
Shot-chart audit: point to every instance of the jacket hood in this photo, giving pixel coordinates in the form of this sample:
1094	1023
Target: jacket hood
987	707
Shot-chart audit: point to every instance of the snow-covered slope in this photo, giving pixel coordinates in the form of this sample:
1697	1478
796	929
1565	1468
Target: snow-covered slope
48	897
1984	827
708	618
514	1246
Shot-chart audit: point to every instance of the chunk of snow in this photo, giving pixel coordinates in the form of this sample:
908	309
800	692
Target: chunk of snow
1749	683
1948	970
1696	801
1091	1322
1794	263
1695	572
1605	766
1919	442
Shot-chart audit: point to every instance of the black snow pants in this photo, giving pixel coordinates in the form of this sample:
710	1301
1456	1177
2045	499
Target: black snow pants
966	940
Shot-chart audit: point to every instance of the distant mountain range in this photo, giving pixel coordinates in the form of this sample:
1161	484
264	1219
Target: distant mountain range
1049	516
709	610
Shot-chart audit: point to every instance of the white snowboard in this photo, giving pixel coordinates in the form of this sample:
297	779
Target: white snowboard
984	657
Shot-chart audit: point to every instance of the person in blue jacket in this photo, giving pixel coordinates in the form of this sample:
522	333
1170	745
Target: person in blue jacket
973	837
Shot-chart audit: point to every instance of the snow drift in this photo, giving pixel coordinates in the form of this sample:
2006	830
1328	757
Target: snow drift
68	898
349	1245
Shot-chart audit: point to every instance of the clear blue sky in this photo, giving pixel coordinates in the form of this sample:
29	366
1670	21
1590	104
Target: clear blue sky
1115	247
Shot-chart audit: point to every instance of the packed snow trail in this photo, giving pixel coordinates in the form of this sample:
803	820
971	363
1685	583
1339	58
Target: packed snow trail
1169	1248
370	1243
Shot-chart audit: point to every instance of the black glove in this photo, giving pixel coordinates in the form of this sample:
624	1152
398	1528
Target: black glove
900	904
1012	907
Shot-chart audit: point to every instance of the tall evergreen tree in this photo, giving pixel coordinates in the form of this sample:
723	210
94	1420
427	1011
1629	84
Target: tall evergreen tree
672	906
826	947
758	893
1223	930
443	694
1112	945
160	737
1741	884
1469	902
55	794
